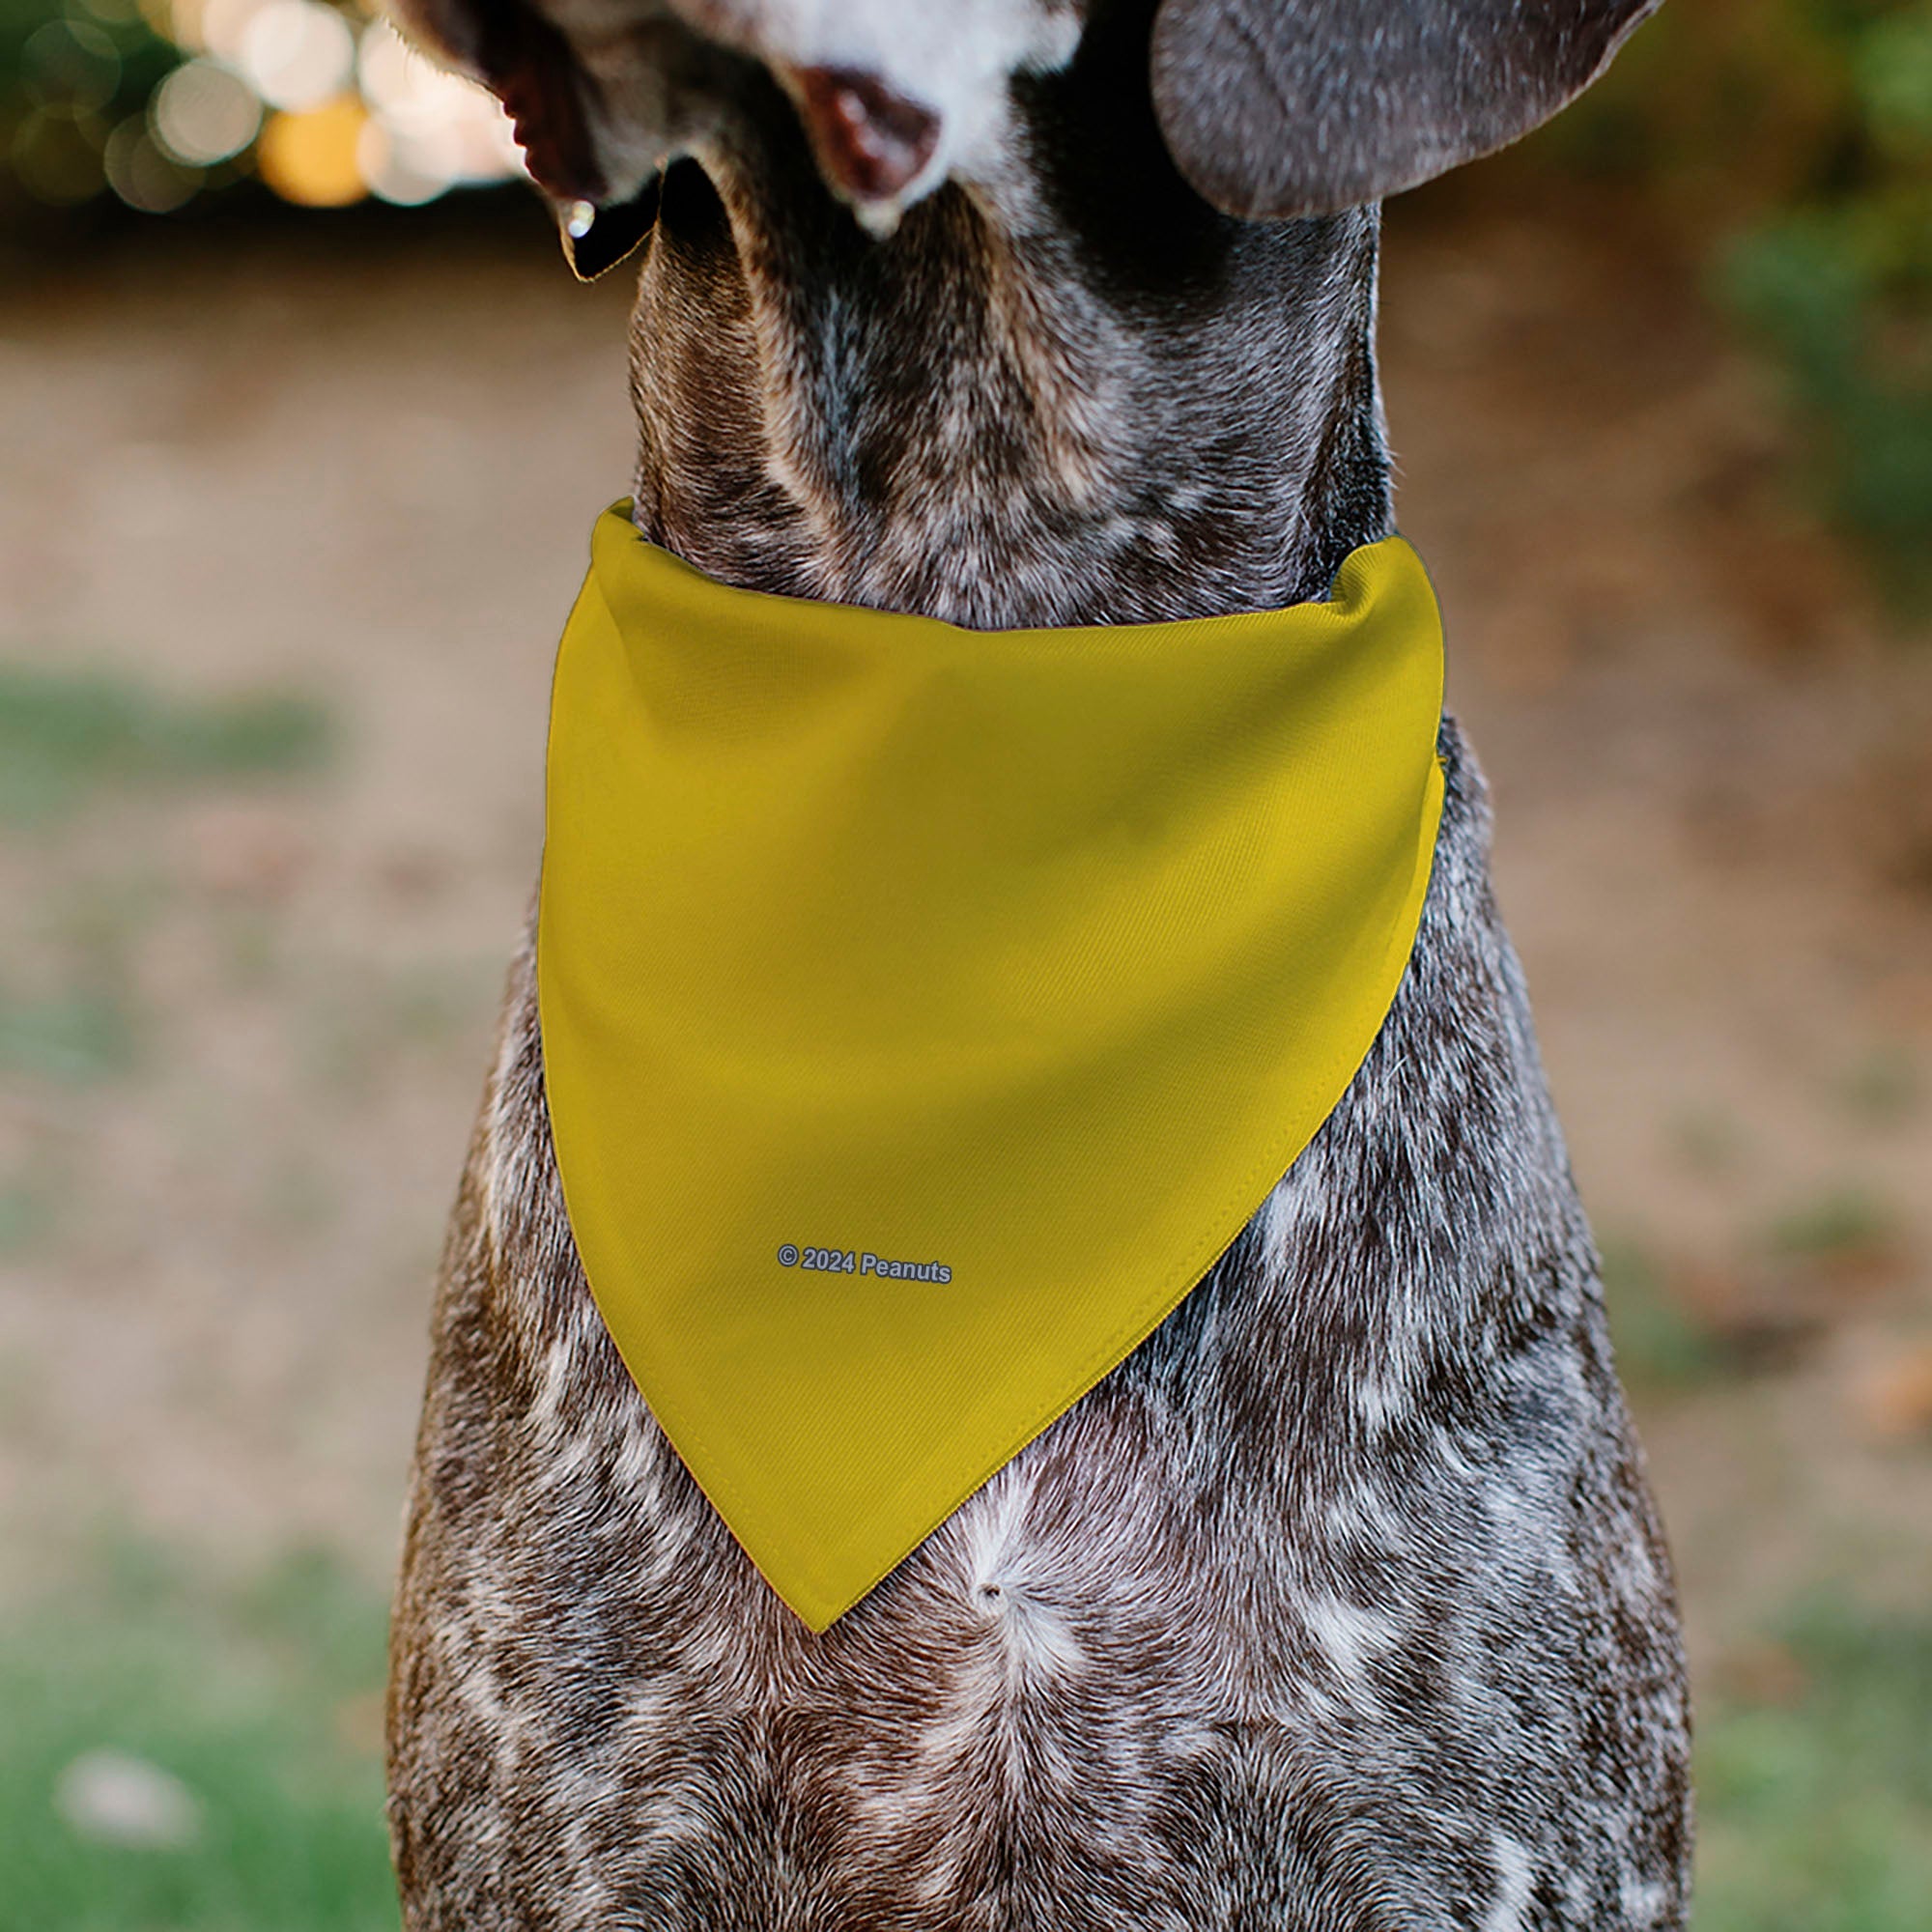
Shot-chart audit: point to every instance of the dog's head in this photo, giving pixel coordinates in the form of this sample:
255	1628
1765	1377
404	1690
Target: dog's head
1269	108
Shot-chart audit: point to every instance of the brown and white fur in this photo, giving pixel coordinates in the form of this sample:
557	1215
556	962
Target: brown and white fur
1341	1606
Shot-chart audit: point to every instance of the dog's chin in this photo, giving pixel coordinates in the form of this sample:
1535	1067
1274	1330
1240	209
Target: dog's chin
599	234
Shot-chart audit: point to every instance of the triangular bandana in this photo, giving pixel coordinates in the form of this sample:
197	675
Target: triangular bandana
924	1009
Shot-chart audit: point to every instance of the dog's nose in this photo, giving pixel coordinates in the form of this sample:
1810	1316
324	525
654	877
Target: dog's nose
870	141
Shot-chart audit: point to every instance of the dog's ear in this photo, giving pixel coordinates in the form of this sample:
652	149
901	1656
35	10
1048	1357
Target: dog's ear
1285	107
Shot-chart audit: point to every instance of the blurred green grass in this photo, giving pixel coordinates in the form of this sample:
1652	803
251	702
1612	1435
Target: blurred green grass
68	734
1681	1324
1815	1803
1661	1345
261	1701
72	739
70	1036
1814	1762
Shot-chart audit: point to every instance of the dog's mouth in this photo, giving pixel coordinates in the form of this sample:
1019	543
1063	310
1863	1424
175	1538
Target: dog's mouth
874	146
869	143
528	62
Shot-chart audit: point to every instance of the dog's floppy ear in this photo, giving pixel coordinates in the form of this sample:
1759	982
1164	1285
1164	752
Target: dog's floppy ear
1285	107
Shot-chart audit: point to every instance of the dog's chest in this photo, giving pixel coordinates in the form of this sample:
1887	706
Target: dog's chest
1317	1613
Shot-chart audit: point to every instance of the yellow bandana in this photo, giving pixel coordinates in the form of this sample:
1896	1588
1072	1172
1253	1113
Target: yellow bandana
924	1009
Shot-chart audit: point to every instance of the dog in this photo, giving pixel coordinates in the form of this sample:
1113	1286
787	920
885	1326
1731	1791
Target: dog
1341	1604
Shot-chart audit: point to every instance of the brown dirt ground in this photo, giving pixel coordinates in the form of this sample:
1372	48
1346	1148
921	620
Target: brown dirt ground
364	467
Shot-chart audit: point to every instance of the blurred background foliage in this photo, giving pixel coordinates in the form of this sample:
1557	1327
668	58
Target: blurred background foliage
1800	131
154	107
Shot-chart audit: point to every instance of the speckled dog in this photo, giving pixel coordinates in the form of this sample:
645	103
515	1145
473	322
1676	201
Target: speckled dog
1340	1604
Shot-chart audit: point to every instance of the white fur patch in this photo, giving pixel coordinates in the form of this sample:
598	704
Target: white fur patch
1349	1637
1515	1875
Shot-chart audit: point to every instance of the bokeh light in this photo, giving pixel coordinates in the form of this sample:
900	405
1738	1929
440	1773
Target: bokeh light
297	54
204	112
429	129
72	61
142	174
56	152
311	158
158	101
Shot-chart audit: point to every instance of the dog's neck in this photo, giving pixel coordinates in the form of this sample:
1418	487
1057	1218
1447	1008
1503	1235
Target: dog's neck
1074	396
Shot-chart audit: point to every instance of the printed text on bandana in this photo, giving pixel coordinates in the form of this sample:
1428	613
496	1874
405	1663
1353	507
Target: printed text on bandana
850	1260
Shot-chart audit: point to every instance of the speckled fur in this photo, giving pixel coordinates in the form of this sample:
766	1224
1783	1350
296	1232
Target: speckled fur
1341	1604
